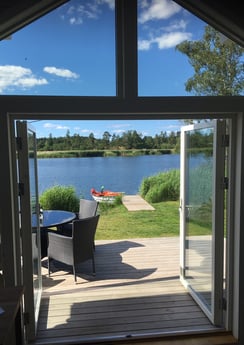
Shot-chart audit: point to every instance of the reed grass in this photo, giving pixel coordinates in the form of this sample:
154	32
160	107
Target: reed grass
164	186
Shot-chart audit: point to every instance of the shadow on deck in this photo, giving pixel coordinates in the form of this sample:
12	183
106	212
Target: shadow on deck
136	292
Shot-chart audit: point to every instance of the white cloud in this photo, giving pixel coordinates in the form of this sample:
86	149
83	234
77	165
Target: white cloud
167	36
158	9
177	25
54	126
78	14
171	39
119	131
60	72
165	41
85	131
120	125
144	44
12	76
89	10
110	3
76	20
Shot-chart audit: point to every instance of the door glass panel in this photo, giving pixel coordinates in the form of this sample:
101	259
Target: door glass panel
202	215
36	257
29	214
198	269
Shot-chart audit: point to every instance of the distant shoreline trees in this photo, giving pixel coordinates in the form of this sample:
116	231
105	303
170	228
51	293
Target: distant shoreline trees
127	141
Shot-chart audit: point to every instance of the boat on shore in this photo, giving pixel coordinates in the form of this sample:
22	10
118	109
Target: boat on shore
105	195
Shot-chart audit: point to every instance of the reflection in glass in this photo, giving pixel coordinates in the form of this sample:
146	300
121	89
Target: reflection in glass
199	214
35	213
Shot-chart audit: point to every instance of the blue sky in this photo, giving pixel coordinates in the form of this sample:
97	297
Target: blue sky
71	51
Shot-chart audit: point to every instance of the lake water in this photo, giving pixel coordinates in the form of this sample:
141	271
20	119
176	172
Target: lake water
123	174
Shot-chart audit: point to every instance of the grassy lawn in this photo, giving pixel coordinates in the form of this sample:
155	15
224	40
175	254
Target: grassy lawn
119	223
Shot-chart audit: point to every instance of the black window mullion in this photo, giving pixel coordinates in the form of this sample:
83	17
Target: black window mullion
126	49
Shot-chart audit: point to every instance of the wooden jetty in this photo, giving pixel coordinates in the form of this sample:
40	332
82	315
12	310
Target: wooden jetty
136	203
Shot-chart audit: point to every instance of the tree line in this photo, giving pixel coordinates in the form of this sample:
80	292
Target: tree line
130	140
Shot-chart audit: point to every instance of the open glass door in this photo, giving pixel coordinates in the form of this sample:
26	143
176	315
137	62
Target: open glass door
202	215
29	214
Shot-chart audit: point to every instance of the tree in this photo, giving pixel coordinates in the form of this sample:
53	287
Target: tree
91	141
148	142
67	139
132	140
218	64
106	139
49	143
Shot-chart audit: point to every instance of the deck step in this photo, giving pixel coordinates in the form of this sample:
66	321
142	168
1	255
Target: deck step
136	203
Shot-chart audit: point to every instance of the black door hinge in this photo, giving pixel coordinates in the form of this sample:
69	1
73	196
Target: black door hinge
226	183
21	188
224	304
26	318
225	140
19	143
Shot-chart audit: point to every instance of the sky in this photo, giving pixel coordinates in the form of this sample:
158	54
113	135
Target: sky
71	51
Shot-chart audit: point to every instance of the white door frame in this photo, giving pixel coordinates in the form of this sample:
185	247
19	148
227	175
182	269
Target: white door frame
98	108
215	313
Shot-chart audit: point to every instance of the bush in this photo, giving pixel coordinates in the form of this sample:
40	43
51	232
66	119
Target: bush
60	198
161	187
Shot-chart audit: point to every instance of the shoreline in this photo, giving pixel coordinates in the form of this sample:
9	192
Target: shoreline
102	153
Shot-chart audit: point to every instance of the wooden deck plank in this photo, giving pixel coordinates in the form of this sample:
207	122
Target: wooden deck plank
135	292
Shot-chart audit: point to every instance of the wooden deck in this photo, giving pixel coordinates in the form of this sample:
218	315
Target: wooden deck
135	292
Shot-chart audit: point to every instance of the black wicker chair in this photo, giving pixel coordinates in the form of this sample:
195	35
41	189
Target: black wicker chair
77	248
88	208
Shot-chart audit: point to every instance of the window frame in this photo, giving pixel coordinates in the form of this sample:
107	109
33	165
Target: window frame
126	105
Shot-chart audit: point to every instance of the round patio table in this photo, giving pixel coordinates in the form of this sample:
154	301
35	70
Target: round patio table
52	218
